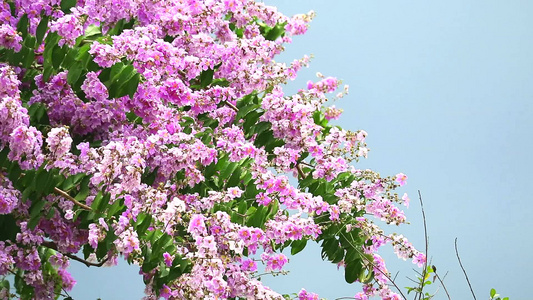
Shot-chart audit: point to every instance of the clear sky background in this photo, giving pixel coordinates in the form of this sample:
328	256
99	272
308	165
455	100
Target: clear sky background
445	90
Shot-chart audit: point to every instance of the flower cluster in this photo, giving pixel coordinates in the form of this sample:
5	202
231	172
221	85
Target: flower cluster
159	131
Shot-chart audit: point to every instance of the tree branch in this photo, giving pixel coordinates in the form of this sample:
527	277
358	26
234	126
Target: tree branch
231	106
87	263
300	171
68	197
464	271
52	245
441	282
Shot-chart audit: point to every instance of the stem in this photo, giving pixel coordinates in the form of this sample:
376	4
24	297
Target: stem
85	262
424	271
300	171
68	197
231	106
464	271
64	195
52	245
442	283
375	267
270	273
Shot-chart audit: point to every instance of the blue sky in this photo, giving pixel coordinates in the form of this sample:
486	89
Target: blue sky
444	89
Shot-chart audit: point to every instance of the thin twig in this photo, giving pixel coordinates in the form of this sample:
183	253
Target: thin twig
87	263
52	245
441	282
64	195
300	172
271	273
68	197
306	164
426	238
231	106
375	267
464	271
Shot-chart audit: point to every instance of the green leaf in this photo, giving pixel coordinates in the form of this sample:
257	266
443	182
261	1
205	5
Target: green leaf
206	77
83	55
132	85
220	82
242	207
127	72
275	32
58	53
29	57
70	58
143	222
116	69
492	293
149	177
48	70
366	277
9	228
41	29
228	170
257	218
159	246
84	189
74	73
235	178
4	284
17	57
66	5
92	30
35	213
72	181
29	42
22	25
297	246
243	111
352	271
97	200
246	100
120	26
116	207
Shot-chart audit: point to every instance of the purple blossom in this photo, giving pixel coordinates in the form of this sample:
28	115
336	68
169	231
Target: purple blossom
9	38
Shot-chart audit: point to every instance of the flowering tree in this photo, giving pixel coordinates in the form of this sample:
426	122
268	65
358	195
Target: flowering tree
159	131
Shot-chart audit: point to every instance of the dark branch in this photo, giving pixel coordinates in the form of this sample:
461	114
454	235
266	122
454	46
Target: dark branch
441	282
52	245
464	271
300	172
85	262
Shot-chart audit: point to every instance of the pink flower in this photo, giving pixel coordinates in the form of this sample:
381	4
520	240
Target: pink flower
274	262
234	192
197	225
165	292
249	265
401	178
419	259
305	295
69	214
263	199
9	37
405	199
168	259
